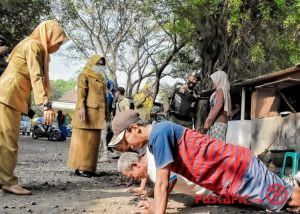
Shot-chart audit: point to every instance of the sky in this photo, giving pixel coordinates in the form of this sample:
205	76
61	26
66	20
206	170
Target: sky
65	68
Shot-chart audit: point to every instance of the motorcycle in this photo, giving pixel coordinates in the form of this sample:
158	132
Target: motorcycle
157	114
50	132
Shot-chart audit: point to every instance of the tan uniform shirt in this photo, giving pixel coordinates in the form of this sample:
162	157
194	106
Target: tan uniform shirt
122	105
91	96
23	74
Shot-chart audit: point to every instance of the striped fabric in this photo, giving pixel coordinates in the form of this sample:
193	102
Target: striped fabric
211	163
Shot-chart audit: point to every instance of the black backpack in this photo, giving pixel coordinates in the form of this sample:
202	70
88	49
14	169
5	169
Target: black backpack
183	105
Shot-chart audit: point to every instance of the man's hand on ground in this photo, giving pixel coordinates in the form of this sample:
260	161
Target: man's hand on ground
146	207
136	190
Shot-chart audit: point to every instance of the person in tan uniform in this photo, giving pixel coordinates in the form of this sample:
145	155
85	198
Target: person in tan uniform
27	70
123	102
89	118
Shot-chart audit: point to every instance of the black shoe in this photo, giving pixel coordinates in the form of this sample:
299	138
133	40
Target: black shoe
85	174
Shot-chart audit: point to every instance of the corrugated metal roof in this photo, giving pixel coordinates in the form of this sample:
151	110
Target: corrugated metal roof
267	77
260	79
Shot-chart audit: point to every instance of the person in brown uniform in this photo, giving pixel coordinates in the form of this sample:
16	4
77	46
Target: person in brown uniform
89	118
28	69
220	107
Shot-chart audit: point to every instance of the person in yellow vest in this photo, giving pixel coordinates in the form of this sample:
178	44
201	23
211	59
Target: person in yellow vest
27	70
143	102
89	118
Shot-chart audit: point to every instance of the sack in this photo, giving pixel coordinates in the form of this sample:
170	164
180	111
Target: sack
292	180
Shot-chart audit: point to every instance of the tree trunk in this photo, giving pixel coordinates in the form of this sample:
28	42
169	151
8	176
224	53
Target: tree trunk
160	70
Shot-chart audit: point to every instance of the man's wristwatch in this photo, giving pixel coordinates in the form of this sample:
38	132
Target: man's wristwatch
47	106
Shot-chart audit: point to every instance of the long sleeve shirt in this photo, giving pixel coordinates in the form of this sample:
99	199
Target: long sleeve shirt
23	74
122	105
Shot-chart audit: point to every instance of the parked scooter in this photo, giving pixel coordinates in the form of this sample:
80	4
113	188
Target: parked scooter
157	113
50	132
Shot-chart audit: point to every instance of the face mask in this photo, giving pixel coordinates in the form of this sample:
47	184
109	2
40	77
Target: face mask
98	69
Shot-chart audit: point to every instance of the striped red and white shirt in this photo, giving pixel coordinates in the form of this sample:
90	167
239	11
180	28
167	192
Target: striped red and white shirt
211	163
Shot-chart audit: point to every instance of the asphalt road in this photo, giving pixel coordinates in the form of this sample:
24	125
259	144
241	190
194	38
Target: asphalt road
42	168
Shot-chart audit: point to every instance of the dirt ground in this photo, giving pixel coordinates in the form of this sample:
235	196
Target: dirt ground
42	168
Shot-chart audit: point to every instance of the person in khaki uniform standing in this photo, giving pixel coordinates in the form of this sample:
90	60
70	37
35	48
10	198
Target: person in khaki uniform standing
123	102
28	69
89	118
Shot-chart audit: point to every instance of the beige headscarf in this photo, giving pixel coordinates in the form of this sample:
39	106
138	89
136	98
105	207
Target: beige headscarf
88	68
48	33
220	78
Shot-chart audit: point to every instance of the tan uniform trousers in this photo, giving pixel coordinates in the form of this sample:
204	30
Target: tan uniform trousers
84	149
9	135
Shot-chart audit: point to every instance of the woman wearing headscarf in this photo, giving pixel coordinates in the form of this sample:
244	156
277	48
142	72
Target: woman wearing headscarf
89	117
27	70
220	107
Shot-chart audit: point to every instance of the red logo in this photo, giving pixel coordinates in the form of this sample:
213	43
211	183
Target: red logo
277	190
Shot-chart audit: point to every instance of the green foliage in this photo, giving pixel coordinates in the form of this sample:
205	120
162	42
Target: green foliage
235	12
19	17
60	87
257	54
244	38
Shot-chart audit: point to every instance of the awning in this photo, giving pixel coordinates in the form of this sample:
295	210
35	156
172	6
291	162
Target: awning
280	84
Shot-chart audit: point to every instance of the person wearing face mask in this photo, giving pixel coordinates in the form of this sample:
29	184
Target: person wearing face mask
182	103
27	70
89	118
220	107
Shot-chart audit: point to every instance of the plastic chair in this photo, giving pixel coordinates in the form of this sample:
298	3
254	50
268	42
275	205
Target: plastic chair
295	162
